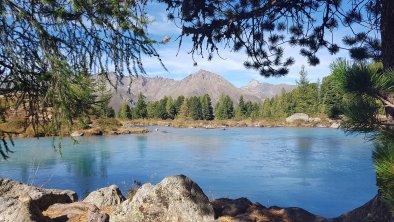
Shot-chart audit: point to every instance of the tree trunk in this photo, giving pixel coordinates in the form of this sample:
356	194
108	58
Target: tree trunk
387	36
387	33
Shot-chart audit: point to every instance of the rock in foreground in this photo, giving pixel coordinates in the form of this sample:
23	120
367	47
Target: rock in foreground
176	198
76	212
42	198
243	209
104	197
374	210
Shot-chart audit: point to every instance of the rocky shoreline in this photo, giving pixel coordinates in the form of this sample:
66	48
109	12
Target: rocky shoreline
175	198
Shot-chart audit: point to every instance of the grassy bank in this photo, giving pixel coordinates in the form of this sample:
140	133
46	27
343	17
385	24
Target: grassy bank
114	126
188	123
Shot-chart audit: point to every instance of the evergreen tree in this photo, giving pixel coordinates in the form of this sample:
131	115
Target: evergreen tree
255	113
160	109
178	103
170	108
332	97
238	114
140	110
184	110
265	111
151	109
103	109
207	109
249	108
305	95
124	111
195	108
224	108
242	107
367	24
45	45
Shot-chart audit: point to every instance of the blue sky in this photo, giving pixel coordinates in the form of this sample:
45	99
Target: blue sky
230	66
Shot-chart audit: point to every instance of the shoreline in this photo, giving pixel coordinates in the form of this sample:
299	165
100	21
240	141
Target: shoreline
114	126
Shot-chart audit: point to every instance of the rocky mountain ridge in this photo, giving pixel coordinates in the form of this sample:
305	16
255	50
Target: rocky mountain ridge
196	84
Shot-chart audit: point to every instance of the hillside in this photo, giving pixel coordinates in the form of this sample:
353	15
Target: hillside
196	84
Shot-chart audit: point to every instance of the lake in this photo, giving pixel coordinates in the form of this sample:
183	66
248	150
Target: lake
321	170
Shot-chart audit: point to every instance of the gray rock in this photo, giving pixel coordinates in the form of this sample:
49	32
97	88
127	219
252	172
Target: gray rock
107	196
75	211
314	119
42	198
297	117
21	210
176	198
76	134
335	125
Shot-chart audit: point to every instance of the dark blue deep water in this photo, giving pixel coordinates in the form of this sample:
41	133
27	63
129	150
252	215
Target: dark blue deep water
321	170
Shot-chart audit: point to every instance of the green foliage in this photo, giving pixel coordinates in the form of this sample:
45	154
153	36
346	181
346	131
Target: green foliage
383	157
206	107
265	111
103	110
195	108
224	108
140	110
332	97
275	23
170	108
49	49
178	103
124	112
241	107
367	89
184	109
160	109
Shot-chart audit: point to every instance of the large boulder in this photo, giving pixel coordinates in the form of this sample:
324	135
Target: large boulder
104	197
21	210
42	198
76	212
374	210
175	198
297	117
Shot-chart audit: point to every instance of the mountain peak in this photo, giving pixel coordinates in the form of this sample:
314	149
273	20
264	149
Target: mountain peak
196	84
254	82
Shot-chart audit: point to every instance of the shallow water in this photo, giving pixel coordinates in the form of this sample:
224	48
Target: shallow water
321	170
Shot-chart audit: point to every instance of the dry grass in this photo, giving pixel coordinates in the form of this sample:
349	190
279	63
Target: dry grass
187	123
14	125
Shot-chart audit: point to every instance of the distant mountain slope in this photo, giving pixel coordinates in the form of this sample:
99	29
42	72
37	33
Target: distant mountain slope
196	84
266	90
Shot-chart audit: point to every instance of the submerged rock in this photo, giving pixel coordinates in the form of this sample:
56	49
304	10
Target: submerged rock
176	198
104	197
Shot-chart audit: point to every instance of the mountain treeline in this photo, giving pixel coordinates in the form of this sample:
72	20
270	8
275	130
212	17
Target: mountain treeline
310	98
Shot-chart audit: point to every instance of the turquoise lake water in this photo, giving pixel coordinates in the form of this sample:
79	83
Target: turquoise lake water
321	170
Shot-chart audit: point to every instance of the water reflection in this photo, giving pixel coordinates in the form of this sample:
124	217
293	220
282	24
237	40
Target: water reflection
310	168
